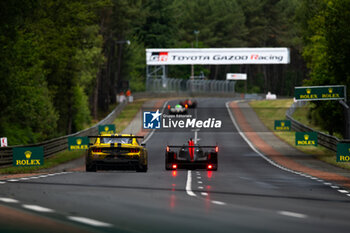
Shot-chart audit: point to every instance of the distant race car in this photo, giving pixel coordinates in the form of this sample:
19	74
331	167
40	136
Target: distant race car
118	152
191	156
189	103
178	109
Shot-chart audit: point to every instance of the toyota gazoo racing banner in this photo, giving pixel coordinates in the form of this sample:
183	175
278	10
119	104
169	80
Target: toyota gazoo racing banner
222	56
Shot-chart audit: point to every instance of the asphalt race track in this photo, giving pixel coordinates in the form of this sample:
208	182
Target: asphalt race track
246	194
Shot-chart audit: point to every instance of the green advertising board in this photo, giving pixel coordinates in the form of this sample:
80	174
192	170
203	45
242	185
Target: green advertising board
28	156
106	129
78	143
282	125
305	138
337	92
343	152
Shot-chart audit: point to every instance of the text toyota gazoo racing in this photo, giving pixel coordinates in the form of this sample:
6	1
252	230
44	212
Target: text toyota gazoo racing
117	152
191	156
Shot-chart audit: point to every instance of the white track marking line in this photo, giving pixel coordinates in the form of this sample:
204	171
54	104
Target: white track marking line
43	176
189	185
8	200
292	214
348	195
251	145
13	180
334	186
25	178
152	132
89	221
38	208
200	187
326	183
2	182
343	191
199	182
218	202
204	194
258	152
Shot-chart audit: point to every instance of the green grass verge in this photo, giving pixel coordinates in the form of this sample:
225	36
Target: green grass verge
126	116
53	161
121	122
270	110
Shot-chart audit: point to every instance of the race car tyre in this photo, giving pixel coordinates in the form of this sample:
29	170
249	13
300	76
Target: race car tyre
169	159
142	168
91	167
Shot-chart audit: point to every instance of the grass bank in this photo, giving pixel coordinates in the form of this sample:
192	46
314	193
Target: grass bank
270	110
121	122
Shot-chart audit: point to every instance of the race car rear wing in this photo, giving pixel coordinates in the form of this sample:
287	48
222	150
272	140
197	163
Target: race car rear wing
112	136
197	146
121	136
170	146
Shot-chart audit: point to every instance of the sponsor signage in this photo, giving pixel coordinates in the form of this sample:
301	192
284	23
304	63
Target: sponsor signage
343	152
337	92
106	129
230	76
306	138
221	56
3	142
78	143
282	125
28	156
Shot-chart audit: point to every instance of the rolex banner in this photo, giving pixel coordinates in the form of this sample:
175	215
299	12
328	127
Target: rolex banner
282	125
336	92
28	156
305	138
217	56
78	143
106	129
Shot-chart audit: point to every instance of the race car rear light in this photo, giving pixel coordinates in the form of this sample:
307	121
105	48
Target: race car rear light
174	166
167	149
186	106
96	150
168	106
210	166
134	150
216	149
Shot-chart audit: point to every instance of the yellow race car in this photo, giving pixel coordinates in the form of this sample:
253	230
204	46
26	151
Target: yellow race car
118	152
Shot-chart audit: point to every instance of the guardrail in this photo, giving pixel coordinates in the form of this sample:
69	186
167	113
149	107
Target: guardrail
56	145
328	141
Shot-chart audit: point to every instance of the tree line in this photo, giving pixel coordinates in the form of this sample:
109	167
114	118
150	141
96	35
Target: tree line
62	62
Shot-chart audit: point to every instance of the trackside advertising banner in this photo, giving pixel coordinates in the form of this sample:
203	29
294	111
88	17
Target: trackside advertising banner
222	56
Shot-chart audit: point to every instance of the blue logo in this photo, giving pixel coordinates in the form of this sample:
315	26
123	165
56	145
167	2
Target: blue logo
151	120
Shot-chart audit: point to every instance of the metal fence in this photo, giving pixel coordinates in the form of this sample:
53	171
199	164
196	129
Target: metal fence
190	86
325	140
56	145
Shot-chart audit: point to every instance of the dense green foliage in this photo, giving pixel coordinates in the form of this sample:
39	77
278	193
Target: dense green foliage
63	61
326	39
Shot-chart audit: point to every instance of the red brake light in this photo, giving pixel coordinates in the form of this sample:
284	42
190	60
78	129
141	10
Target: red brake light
134	150
174	166
210	166
216	149
168	106
96	150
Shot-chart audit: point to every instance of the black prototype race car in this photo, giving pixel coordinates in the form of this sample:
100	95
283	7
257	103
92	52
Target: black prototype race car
191	156
188	103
